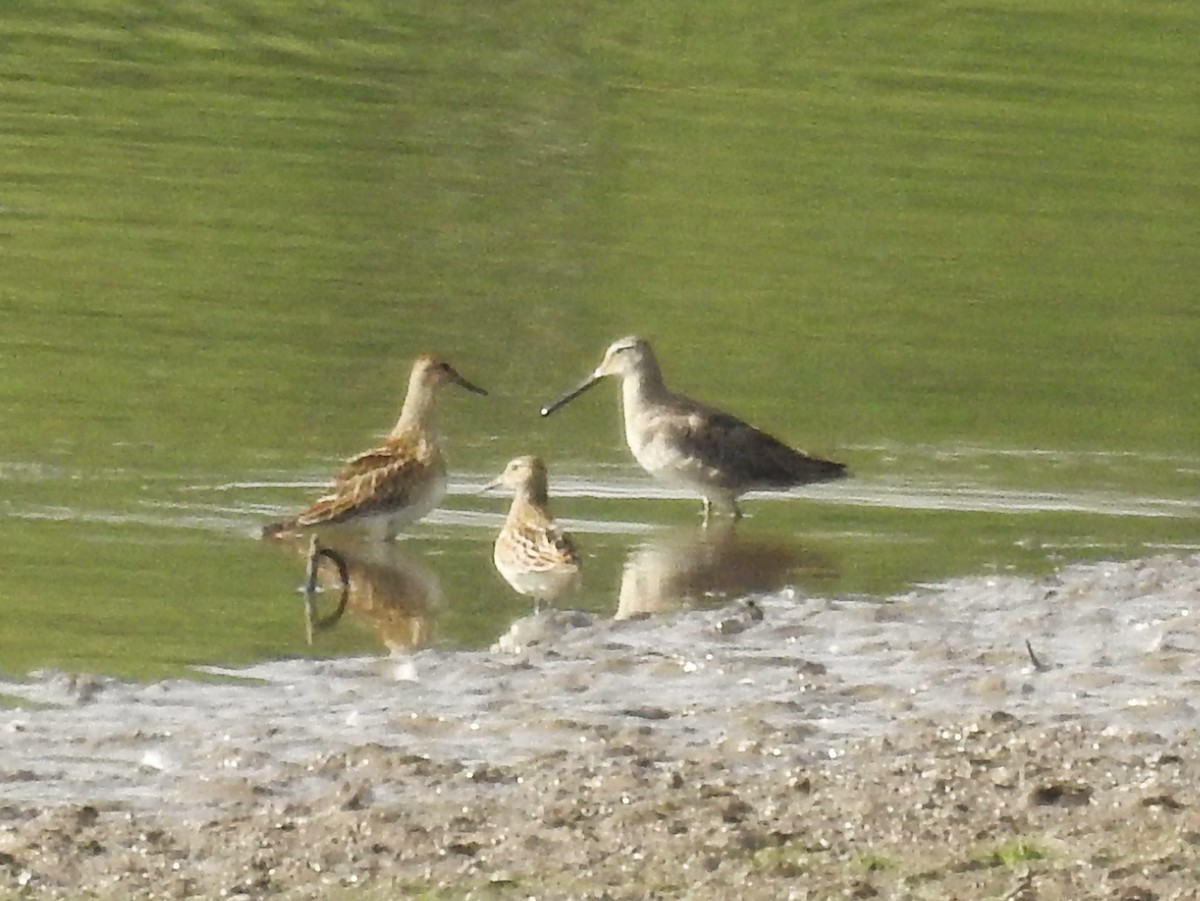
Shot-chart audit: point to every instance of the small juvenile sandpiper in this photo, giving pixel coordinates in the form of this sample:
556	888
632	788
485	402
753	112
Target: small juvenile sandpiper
382	490
532	553
686	443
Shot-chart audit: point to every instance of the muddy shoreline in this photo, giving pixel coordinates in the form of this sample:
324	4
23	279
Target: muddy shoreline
792	747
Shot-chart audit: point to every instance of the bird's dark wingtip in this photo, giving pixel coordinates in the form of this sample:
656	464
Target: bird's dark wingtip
818	469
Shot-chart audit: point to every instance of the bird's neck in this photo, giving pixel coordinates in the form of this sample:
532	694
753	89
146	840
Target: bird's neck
417	412
529	497
643	386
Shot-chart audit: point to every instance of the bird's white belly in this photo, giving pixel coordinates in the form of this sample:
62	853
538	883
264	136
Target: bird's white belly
540	584
385	524
668	464
422	502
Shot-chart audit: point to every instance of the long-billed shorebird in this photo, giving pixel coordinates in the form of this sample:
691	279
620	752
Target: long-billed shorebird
532	553
686	443
382	490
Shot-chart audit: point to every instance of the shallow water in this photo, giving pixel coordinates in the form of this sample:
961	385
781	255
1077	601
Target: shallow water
790	675
177	577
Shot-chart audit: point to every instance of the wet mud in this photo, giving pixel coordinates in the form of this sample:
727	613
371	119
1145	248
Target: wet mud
990	737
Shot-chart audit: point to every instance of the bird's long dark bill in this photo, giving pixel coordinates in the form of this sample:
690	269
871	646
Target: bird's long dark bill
474	389
570	395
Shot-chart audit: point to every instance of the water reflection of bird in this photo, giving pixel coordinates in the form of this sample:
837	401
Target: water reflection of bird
681	569
686	443
384	489
532	553
383	585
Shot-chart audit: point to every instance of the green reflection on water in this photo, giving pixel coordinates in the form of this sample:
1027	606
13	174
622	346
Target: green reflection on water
889	234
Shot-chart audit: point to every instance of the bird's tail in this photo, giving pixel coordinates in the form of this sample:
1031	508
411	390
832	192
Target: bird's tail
818	469
279	529
833	470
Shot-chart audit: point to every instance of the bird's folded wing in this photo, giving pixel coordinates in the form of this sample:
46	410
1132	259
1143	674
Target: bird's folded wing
373	481
543	546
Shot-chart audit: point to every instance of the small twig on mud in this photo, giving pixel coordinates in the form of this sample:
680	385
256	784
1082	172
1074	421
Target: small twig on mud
1024	890
1037	664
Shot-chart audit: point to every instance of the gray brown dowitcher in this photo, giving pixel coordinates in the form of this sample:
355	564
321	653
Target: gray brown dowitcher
686	443
532	553
382	490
